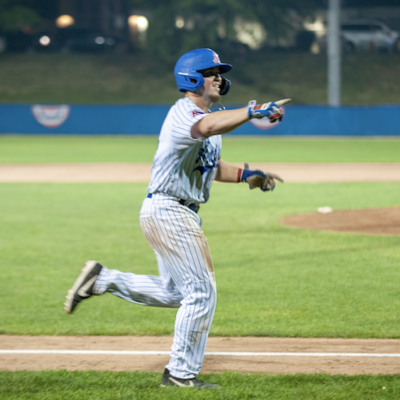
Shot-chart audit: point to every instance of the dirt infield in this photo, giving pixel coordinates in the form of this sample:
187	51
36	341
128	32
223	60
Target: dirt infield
364	356
378	221
140	172
347	356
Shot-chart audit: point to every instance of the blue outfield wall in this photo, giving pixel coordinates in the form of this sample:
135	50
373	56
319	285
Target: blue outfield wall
299	120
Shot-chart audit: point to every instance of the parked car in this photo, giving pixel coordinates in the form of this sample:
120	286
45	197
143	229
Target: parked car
84	40
369	35
366	35
63	40
16	41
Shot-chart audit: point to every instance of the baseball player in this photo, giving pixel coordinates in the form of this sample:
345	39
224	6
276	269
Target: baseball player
187	160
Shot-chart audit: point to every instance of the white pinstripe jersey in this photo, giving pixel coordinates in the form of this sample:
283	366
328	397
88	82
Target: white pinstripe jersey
184	167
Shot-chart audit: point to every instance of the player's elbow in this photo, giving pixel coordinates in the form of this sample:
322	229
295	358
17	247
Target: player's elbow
197	133
201	129
206	127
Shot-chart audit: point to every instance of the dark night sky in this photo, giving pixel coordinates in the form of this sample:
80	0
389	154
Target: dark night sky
49	8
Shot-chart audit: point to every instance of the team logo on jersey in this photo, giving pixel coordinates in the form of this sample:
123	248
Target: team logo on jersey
51	116
216	59
196	112
208	159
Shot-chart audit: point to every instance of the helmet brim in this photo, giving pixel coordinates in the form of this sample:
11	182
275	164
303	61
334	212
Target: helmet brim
222	68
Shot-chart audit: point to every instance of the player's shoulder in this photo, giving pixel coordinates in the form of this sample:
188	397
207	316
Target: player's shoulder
187	108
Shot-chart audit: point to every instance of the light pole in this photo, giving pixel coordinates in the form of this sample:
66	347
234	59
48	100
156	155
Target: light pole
334	49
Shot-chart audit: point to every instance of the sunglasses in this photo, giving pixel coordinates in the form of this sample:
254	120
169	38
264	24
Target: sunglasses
210	74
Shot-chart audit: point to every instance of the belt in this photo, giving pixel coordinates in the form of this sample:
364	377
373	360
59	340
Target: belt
194	207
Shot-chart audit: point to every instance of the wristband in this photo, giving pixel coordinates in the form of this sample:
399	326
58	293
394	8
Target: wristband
250	108
239	175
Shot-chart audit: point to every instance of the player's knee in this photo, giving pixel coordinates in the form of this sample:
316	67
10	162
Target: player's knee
204	296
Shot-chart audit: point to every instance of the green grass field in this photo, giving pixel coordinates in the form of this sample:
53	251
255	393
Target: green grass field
90	385
53	149
272	280
368	78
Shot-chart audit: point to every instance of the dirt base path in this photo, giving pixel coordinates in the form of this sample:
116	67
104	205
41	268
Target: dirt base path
140	172
347	356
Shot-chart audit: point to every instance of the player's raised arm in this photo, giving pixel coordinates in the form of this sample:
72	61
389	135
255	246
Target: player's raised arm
225	121
198	75
220	122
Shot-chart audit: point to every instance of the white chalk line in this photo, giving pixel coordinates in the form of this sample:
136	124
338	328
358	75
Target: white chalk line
212	353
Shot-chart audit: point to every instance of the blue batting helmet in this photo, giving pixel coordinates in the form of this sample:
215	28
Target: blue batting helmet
188	66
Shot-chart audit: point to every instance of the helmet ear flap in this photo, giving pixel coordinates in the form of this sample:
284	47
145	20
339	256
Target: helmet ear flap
199	81
225	86
192	82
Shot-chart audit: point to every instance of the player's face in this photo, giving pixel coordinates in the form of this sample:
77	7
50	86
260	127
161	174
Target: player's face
212	83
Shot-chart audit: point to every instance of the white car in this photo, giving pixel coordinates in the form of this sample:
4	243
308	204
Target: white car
366	35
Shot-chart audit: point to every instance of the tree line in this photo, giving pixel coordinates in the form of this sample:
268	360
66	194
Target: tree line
176	26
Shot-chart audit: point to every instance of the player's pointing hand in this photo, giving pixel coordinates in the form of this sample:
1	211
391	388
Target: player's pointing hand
256	178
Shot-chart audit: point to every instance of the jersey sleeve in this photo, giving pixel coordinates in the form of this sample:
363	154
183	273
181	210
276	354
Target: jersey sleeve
185	116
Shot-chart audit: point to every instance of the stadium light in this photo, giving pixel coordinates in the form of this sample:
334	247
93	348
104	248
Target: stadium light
179	22
63	21
44	40
138	23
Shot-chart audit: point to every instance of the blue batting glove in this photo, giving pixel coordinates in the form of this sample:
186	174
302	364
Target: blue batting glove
246	173
257	178
266	110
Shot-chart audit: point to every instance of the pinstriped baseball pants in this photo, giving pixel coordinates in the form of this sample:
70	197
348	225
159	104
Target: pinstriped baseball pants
186	279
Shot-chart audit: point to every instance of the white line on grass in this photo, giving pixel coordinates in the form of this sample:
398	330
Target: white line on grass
212	353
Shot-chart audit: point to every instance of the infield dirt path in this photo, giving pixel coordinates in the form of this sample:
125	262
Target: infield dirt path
382	221
272	364
140	172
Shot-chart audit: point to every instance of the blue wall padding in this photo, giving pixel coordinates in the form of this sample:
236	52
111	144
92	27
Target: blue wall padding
147	119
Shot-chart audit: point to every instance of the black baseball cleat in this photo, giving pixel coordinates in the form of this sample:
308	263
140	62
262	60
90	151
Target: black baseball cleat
83	287
169	380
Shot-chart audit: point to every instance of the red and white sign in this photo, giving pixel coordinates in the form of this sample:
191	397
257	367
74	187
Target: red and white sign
51	116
